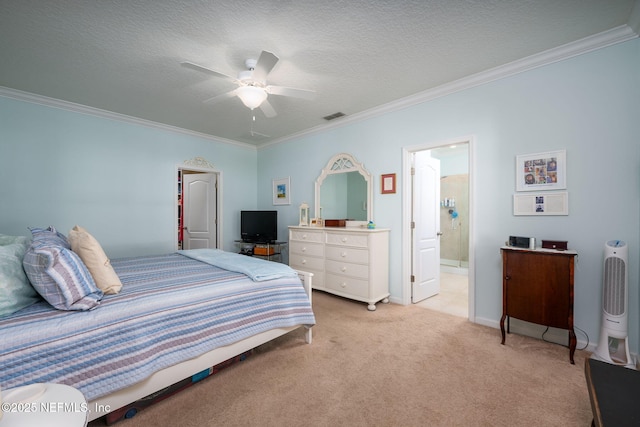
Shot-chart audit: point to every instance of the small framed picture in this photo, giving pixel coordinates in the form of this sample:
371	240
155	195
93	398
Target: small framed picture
555	203
282	191
388	183
541	171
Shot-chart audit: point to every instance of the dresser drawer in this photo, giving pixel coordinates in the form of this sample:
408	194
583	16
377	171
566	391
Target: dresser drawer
306	235
346	239
354	270
307	249
341	253
306	263
348	285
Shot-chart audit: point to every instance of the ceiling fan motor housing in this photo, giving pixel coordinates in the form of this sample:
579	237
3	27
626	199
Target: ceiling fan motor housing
245	76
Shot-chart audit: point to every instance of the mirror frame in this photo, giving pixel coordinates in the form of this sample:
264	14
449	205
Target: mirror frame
343	163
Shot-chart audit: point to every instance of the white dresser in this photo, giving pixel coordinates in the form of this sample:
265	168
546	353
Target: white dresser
350	262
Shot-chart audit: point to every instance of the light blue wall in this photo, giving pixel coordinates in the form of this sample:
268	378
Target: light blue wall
587	105
114	178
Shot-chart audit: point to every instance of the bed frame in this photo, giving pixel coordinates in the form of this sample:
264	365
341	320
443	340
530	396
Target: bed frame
173	374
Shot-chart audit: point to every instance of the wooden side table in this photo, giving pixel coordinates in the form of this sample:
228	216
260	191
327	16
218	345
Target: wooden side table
36	405
537	287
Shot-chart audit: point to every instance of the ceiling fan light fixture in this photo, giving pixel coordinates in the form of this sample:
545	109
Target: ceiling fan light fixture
252	96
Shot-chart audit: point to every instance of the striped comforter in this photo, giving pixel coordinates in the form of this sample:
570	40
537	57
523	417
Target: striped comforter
171	308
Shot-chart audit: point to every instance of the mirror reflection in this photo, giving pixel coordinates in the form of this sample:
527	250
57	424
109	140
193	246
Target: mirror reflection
344	196
344	190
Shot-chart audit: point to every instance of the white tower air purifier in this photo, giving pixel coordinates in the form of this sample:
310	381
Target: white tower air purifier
613	346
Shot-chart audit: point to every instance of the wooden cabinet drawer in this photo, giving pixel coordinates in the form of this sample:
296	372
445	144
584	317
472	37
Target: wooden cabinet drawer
348	285
354	270
306	263
306	235
307	249
346	239
343	254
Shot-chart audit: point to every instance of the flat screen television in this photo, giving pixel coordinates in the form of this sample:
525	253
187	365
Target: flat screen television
259	226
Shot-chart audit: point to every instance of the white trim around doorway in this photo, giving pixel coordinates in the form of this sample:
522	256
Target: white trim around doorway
406	216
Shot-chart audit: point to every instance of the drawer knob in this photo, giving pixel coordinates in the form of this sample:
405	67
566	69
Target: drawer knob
343	269
304	249
304	236
304	261
343	284
344	240
343	254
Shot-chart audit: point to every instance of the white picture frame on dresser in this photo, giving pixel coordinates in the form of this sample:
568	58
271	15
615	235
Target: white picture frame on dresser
349	262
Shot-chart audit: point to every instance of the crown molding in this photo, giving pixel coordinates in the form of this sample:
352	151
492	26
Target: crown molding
634	17
588	44
598	41
84	109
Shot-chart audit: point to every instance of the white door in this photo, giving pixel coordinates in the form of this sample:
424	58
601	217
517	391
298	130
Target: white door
426	226
199	204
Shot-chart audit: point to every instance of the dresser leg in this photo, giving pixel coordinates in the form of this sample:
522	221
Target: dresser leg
371	307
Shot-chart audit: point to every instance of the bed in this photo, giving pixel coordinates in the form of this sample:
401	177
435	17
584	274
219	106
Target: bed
176	315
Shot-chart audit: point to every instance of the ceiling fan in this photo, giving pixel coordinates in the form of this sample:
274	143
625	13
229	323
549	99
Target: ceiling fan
253	89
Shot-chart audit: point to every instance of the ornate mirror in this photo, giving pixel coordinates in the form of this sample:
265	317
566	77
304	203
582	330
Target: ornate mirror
344	190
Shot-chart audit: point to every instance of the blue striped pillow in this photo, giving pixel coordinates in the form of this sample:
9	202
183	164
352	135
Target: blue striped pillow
49	236
60	277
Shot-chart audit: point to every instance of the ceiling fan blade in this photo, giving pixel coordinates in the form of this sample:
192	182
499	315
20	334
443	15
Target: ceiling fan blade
209	71
267	109
220	98
265	64
289	91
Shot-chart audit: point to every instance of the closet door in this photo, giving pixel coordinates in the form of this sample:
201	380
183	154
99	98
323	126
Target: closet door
199	210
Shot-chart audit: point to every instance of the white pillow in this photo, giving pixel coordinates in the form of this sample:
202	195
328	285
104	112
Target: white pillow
93	256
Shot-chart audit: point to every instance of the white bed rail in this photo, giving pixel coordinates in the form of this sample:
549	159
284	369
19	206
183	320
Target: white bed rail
307	282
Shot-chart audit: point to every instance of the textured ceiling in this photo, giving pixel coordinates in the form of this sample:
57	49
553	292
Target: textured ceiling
124	56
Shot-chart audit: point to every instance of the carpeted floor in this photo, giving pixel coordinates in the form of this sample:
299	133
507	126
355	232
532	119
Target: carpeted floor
397	366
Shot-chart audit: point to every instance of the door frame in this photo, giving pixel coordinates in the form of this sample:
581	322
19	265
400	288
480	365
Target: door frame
407	249
200	165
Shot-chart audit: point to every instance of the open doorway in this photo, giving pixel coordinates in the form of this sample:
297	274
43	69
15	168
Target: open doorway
453	297
198	191
454	213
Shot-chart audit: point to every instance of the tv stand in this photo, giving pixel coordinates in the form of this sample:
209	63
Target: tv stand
271	251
